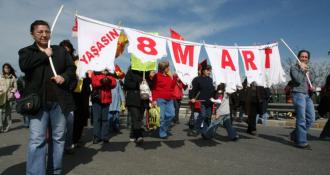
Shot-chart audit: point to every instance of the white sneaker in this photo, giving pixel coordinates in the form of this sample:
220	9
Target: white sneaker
139	140
132	139
6	129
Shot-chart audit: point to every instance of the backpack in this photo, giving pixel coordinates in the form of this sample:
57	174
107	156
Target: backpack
145	92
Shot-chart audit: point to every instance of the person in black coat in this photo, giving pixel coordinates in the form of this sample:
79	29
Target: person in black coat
254	100
323	108
136	106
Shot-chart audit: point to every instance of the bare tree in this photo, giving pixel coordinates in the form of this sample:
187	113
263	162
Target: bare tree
320	70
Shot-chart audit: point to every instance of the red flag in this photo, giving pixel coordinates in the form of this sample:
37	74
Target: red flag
119	72
122	41
176	35
75	28
202	64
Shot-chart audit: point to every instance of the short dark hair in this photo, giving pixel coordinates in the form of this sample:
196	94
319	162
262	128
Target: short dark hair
222	87
306	51
36	23
67	43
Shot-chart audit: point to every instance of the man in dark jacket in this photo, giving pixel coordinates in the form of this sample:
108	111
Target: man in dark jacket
55	97
202	90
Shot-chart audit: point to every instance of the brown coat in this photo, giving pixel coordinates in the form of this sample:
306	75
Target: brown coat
8	87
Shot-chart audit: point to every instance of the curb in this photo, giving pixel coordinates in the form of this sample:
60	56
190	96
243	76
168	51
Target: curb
319	124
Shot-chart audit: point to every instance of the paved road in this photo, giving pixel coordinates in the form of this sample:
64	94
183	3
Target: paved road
268	153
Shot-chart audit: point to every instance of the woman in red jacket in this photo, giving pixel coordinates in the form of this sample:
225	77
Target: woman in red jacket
102	83
178	95
162	95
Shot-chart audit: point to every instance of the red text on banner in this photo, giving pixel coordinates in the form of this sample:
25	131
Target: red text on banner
226	60
147	45
181	56
95	49
248	57
268	51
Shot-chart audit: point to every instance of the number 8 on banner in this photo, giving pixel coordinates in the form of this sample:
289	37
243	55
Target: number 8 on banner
144	46
147	45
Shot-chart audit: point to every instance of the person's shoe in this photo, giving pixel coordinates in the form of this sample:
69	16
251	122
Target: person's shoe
132	139
105	140
235	138
204	137
96	140
193	133
139	140
252	132
305	146
116	130
164	138
69	151
6	129
78	144
292	138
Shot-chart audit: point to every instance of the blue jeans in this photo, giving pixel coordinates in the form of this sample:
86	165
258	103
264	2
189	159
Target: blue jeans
264	118
225	121
113	118
100	121
200	122
167	113
26	121
50	116
241	112
305	116
69	130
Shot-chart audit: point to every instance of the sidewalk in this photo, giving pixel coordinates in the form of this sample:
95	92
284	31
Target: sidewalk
318	124
281	122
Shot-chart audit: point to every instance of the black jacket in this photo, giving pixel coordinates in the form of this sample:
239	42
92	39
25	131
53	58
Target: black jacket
324	105
35	64
202	89
132	83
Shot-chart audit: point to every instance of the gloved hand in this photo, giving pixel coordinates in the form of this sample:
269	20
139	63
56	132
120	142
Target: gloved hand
105	81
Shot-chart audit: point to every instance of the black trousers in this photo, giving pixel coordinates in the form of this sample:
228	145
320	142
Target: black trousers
136	115
177	104
252	115
81	115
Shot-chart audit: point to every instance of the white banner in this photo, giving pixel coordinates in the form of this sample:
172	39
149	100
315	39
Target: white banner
97	44
225	67
271	63
185	60
252	65
146	47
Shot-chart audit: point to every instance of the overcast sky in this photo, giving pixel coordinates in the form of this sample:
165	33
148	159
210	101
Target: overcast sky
304	24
